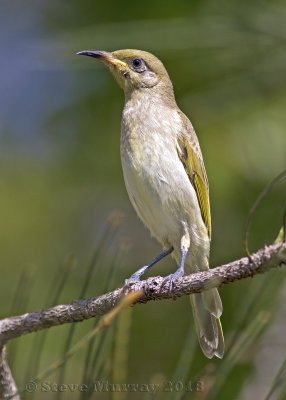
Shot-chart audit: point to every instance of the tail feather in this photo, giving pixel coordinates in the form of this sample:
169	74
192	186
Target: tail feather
207	308
212	302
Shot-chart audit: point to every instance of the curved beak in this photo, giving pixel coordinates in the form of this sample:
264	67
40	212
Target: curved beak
104	56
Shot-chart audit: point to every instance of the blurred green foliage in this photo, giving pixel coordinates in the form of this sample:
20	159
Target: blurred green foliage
61	177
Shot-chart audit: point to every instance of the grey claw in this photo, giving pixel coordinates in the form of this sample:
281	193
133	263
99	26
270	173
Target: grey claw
131	280
173	278
166	279
128	282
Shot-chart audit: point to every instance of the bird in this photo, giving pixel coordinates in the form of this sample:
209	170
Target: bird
165	178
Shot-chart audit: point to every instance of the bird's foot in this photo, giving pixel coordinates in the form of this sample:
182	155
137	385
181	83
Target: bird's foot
134	278
173	277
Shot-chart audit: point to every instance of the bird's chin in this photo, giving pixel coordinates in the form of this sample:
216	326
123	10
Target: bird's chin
120	75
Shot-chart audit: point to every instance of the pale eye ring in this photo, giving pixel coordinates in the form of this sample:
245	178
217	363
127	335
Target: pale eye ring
136	63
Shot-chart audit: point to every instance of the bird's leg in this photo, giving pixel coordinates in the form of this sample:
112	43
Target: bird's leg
136	276
180	271
185	244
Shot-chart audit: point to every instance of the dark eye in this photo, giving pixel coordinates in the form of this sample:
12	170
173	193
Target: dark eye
137	63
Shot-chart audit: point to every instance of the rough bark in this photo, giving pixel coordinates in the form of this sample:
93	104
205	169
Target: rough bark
153	289
7	383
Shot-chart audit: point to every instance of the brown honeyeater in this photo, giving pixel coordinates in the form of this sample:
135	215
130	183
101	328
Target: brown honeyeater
165	178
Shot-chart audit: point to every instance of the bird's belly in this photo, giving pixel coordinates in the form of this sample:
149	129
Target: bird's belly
163	196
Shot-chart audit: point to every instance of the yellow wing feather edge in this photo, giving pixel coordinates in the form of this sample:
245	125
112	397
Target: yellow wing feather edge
196	171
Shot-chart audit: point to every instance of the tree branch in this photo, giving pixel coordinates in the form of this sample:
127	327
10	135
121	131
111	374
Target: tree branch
7	384
153	289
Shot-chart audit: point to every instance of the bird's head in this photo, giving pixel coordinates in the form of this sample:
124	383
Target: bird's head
135	69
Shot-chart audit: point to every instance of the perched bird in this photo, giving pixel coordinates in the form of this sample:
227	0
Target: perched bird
165	178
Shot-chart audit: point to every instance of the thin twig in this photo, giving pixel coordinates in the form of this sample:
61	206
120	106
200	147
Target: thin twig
255	206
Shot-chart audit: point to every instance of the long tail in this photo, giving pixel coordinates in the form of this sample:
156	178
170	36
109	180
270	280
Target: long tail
207	308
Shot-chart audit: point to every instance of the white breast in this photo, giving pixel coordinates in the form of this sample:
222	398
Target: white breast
157	183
